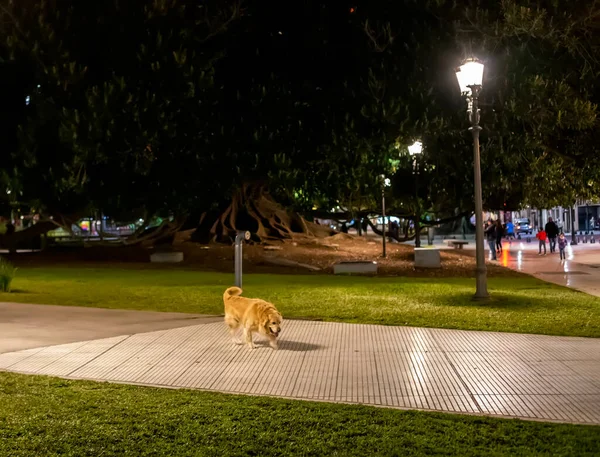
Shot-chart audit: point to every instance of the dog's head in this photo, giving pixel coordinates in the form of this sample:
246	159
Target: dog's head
272	323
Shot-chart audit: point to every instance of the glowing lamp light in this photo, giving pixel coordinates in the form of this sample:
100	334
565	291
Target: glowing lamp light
415	148
469	74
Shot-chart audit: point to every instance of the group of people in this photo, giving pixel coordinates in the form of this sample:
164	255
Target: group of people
551	232
495	231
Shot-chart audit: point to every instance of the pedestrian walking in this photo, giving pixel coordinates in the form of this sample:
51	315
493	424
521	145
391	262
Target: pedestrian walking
551	230
490	234
562	244
499	235
541	236
510	231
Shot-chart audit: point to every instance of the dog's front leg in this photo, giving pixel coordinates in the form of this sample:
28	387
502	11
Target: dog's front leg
273	342
248	337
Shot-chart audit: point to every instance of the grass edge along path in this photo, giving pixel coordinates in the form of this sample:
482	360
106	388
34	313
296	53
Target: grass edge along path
520	305
52	416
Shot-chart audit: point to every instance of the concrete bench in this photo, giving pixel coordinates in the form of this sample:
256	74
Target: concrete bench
427	258
358	267
166	257
457	244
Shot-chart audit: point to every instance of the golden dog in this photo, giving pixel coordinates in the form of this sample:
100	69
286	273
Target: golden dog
253	315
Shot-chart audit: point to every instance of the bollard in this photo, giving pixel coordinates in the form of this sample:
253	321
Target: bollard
241	236
592	240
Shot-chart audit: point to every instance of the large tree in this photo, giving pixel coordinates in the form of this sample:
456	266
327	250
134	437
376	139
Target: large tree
205	111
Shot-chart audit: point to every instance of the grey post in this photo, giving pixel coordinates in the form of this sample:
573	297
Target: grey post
383	213
573	232
481	292
241	236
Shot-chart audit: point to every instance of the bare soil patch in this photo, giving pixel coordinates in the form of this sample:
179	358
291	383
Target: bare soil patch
321	253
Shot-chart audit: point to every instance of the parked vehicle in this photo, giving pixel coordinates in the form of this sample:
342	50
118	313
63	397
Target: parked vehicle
523	226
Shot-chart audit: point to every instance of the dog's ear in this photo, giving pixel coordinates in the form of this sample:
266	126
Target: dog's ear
265	322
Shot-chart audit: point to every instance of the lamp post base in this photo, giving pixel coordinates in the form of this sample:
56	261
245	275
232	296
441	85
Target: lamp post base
481	297
481	292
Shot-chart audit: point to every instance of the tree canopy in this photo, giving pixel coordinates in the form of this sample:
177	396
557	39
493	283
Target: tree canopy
171	106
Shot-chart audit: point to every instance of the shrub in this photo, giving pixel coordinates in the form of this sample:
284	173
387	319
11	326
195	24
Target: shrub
7	273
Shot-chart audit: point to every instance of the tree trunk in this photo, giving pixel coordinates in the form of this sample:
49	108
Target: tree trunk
162	235
252	209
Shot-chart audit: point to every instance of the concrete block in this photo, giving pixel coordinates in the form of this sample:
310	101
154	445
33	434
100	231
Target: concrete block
358	267
166	257
427	258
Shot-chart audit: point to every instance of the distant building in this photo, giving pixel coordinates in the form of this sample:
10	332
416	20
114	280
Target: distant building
586	216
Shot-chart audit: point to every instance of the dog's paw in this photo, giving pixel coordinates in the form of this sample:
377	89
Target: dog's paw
274	345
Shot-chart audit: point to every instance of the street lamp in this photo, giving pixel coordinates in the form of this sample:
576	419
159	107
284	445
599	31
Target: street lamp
415	150
385	182
470	77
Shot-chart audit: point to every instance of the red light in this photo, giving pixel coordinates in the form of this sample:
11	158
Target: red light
352	10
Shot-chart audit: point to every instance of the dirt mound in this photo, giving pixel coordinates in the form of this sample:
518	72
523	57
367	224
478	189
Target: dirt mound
308	257
324	254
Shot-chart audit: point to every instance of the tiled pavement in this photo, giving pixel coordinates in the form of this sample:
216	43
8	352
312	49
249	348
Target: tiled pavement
501	374
580	270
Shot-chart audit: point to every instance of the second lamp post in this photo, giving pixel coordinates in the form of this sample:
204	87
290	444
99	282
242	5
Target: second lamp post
415	150
385	182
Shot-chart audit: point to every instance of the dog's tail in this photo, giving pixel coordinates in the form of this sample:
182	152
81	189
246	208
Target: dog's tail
232	292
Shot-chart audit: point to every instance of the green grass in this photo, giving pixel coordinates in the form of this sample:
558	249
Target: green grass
43	416
7	274
524	305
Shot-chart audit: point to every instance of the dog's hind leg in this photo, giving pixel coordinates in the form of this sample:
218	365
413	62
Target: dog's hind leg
248	337
233	325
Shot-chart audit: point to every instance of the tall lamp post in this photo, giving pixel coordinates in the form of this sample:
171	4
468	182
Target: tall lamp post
385	182
470	78
415	150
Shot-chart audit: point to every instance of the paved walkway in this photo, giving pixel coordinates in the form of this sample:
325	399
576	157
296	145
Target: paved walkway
25	326
580	271
500	374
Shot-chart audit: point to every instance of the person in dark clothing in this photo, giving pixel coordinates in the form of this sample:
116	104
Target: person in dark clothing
551	230
395	229
499	235
490	234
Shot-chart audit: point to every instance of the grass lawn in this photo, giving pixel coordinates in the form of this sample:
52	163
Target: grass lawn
43	416
524	305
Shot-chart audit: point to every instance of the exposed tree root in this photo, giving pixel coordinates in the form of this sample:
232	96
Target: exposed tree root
164	234
253	209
